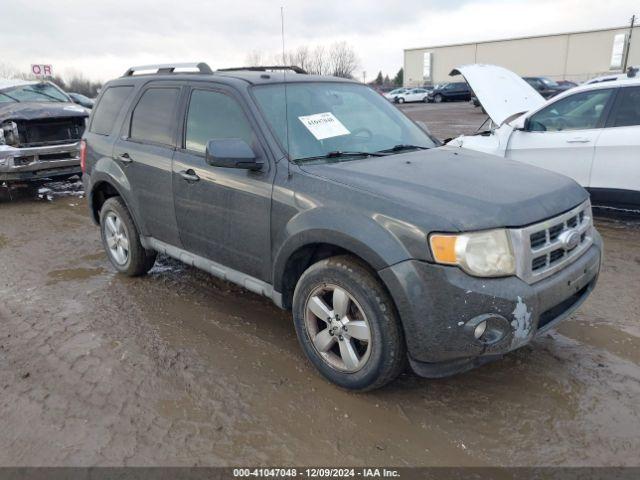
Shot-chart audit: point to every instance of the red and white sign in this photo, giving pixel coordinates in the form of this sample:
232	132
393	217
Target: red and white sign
40	70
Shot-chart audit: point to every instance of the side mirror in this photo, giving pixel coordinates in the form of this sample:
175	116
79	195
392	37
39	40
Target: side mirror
231	153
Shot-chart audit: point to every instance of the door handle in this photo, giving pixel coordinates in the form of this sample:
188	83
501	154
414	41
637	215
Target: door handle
578	140
124	158
189	175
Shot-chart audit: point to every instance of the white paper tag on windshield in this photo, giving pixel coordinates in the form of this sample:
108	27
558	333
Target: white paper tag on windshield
324	125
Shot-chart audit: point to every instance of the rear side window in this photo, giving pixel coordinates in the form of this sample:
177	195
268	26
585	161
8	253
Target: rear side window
627	109
153	118
107	110
214	115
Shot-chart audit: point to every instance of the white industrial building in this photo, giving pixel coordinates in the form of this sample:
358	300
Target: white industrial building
575	56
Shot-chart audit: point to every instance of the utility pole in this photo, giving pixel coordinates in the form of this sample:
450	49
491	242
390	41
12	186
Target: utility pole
626	53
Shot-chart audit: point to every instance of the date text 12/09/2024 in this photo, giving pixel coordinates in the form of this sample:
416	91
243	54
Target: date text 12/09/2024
315	472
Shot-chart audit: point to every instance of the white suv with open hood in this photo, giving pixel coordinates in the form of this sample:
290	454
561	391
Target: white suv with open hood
590	133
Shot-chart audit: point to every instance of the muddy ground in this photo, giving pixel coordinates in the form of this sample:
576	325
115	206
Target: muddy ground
178	368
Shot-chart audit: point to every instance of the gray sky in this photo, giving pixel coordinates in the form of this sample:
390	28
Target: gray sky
101	39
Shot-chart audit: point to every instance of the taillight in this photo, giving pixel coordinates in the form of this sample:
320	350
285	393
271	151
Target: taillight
83	155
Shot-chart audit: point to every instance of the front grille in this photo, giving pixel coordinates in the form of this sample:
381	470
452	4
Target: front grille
36	133
546	247
550	315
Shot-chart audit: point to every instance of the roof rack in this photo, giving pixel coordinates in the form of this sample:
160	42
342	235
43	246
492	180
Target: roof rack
168	68
293	68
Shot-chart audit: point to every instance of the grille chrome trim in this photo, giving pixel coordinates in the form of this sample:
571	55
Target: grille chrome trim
526	255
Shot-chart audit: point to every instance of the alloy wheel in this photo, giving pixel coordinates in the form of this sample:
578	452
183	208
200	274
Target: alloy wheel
338	328
115	235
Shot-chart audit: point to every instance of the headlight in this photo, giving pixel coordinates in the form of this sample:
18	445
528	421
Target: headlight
483	254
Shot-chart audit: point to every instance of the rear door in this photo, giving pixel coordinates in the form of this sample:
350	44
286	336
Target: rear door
145	151
223	213
562	136
615	178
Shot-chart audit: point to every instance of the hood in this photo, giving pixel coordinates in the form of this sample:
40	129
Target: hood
39	110
473	191
501	92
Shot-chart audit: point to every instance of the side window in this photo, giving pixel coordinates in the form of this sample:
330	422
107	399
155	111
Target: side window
153	118
627	108
214	115
106	112
580	111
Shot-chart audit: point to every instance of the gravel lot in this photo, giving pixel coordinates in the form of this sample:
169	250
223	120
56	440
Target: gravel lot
178	368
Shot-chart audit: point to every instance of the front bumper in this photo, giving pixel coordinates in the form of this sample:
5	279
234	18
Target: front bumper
437	304
35	163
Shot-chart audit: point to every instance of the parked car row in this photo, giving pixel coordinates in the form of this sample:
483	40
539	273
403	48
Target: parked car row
447	92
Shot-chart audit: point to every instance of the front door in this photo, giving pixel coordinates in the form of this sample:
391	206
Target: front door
615	178
223	214
562	136
145	152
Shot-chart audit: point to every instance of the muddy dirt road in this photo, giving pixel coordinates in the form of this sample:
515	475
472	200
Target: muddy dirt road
178	368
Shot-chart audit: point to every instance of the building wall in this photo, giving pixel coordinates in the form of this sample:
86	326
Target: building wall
572	56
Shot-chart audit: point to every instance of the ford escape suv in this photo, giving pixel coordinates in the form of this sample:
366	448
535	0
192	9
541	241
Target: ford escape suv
319	194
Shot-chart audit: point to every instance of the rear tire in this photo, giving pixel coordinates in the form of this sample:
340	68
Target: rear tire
370	352
121	240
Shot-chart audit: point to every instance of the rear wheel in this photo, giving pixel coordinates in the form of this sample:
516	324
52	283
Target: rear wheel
121	240
347	324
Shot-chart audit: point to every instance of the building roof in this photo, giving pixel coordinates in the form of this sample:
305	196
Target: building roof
496	40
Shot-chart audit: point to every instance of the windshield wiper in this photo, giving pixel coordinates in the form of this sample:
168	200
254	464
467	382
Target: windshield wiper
341	154
42	93
402	147
9	96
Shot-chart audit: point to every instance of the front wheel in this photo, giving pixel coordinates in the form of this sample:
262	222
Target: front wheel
121	240
347	324
401	100
438	98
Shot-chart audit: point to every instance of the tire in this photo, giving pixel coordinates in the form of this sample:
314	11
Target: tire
425	100
116	225
400	100
343	355
438	98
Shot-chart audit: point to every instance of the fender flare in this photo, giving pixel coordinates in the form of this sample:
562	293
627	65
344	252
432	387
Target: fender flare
354	233
109	172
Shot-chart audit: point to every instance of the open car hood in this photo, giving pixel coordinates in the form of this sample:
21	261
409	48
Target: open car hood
501	92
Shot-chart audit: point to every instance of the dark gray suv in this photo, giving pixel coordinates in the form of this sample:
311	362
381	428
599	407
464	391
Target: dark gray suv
319	194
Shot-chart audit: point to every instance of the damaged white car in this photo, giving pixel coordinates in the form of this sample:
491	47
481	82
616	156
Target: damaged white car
590	133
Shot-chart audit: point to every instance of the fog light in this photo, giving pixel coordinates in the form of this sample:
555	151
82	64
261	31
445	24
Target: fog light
488	329
479	330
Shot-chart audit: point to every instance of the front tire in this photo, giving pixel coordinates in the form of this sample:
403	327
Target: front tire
121	240
347	324
438	98
400	100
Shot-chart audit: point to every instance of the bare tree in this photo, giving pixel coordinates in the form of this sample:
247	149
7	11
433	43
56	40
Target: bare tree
342	60
255	58
318	61
339	59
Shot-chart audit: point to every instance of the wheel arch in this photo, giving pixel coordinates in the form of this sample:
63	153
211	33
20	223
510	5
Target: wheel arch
105	187
309	247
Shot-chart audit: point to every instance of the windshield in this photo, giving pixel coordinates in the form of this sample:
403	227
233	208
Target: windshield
38	92
325	118
548	82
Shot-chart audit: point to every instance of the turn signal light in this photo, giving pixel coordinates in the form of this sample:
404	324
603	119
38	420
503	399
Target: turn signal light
83	155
